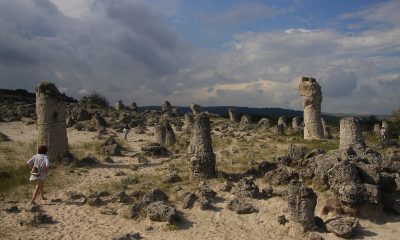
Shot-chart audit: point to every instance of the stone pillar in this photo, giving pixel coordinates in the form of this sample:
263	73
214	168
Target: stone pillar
377	129
119	105
311	91
51	114
326	128
170	139
282	120
196	109
159	134
232	115
296	123
264	122
188	121
202	162
301	203
280	129
166	107
350	134
164	134
134	107
245	120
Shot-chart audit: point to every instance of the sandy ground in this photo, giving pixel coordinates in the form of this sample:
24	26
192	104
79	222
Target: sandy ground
86	222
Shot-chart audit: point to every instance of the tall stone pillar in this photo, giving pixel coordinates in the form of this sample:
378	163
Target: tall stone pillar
311	91
350	134
51	114
202	162
232	115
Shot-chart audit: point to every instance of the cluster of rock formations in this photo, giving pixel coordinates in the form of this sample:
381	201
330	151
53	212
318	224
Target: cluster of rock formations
353	173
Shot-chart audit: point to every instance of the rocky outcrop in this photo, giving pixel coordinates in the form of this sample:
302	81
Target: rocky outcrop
232	115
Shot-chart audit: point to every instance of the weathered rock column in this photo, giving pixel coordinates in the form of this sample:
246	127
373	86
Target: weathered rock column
188	122
385	125
119	105
196	109
245	120
311	91
301	203
202	162
327	129
296	123
51	114
164	134
282	121
350	134
232	115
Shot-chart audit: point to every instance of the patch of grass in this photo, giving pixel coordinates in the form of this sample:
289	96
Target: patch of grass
13	158
85	149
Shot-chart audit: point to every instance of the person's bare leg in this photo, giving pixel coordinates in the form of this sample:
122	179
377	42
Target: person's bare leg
35	193
42	190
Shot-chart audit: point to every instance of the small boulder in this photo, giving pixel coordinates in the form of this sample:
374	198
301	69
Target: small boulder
240	206
160	212
342	226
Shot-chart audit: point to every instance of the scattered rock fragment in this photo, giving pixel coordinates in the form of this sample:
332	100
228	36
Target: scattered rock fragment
240	206
344	227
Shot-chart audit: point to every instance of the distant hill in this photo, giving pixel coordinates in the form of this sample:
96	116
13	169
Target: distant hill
22	95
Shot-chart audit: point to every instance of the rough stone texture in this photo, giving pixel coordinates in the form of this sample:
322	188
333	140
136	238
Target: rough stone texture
164	134
240	206
301	203
128	236
154	195
245	120
196	109
279	176
79	113
311	91
166	107
296	123
119	105
296	153
188	200
110	147
232	115
327	129
350	134
282	120
155	150
171	178
51	114
247	188
345	182
342	226
280	129
160	212
265	122
202	162
188	121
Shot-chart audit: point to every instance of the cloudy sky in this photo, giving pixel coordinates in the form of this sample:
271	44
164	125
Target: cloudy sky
243	53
